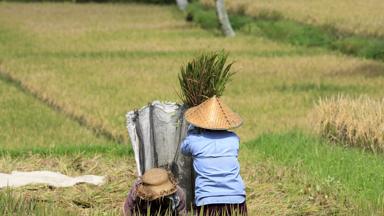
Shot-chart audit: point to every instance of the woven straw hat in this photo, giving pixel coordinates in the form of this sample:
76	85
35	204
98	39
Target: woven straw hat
156	183
213	114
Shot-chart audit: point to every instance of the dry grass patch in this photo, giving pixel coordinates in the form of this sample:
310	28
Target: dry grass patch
358	17
82	199
352	122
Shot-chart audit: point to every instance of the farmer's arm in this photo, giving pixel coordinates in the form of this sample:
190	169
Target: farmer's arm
186	148
130	202
181	208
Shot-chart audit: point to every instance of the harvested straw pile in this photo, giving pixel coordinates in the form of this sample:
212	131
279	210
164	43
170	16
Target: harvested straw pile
352	122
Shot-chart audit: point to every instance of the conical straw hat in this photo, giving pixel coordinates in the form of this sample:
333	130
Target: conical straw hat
213	114
156	183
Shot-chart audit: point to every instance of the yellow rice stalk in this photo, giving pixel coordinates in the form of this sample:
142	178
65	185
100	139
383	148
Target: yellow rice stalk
352	122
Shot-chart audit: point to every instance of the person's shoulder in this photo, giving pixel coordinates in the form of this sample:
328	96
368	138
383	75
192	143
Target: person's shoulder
191	138
193	131
232	135
227	133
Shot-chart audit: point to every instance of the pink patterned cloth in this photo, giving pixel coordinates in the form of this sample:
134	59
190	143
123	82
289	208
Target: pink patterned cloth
134	205
221	210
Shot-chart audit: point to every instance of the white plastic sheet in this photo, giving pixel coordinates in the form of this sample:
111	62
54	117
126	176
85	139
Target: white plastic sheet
56	179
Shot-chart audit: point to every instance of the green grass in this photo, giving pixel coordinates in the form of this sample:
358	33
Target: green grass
114	150
277	28
359	46
360	173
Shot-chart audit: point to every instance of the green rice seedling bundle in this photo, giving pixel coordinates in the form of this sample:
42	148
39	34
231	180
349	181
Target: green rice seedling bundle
352	122
204	77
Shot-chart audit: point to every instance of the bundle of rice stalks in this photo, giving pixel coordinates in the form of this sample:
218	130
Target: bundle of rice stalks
352	122
204	77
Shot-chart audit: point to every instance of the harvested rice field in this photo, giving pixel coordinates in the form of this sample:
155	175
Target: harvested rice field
70	72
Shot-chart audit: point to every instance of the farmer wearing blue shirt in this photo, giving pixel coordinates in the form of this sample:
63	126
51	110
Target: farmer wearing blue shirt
219	189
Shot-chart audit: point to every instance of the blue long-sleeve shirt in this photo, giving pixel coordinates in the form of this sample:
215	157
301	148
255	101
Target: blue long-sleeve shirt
216	166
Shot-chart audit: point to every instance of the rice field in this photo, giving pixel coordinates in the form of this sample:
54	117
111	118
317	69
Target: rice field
352	16
26	123
271	189
70	72
351	122
98	64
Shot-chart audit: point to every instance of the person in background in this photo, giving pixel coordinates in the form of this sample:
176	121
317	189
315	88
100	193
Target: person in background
219	188
155	193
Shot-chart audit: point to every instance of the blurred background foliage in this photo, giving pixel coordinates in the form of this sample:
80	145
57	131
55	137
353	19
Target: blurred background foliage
98	1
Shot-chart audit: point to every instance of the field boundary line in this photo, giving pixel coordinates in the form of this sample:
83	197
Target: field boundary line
95	127
276	27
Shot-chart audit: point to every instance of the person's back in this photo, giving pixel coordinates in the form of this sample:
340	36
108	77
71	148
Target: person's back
217	169
219	189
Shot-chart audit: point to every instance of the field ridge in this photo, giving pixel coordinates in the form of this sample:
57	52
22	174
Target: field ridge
276	27
97	128
367	16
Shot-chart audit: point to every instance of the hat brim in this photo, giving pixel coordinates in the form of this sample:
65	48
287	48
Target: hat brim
190	115
205	126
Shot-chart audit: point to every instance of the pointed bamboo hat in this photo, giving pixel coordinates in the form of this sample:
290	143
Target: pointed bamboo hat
213	114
